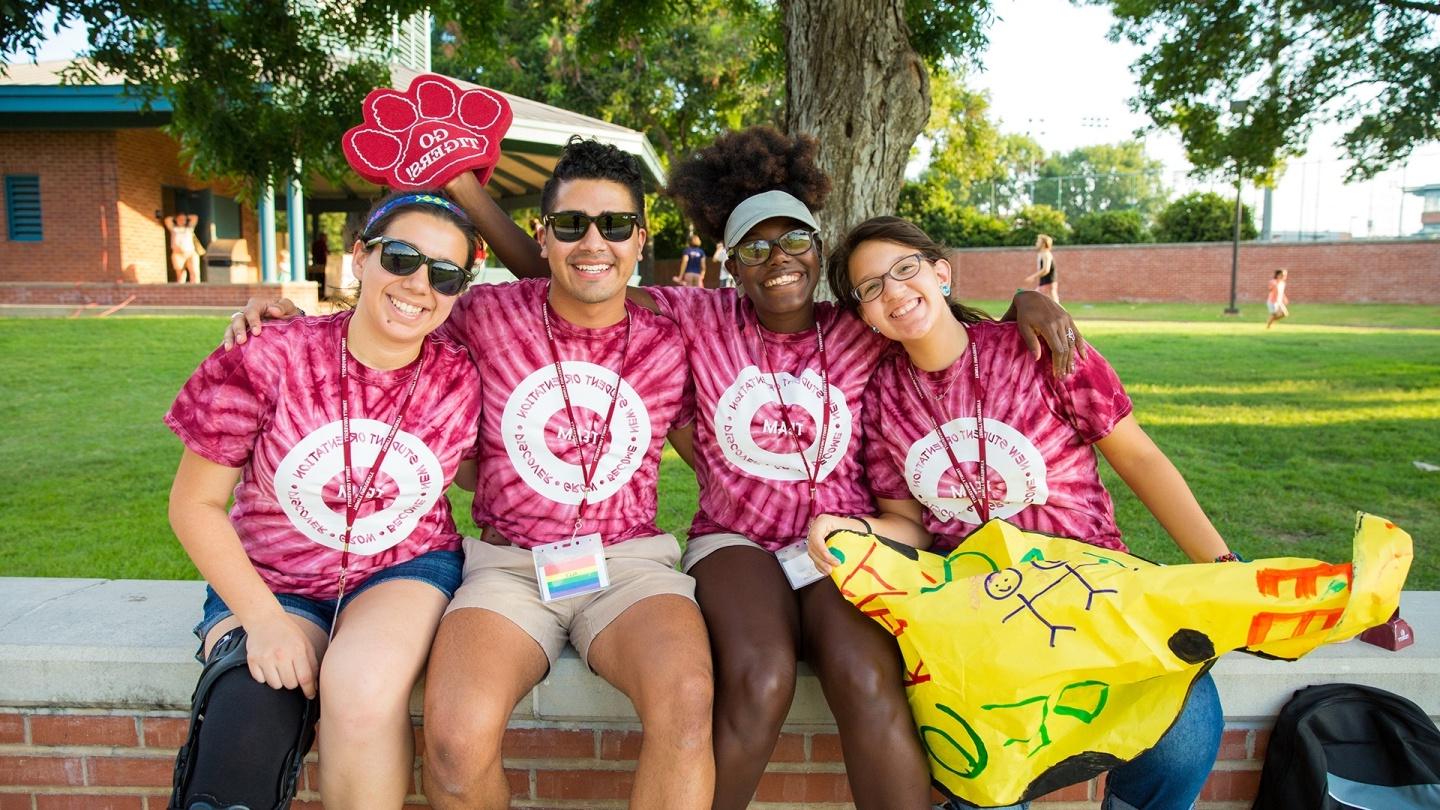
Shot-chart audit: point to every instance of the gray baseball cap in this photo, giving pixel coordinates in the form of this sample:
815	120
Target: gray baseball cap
767	205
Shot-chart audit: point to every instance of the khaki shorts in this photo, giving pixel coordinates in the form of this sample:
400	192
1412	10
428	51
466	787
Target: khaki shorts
706	544
502	579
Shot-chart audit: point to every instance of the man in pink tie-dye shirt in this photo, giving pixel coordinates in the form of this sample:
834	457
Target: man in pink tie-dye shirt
559	361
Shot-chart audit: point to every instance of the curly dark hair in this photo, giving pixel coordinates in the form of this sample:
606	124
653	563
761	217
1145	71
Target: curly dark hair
709	184
583	159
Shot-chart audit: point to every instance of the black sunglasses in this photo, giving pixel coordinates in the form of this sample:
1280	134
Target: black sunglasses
401	259
570	226
758	251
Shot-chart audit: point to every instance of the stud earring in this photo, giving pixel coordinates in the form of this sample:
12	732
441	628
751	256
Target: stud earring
945	290
875	329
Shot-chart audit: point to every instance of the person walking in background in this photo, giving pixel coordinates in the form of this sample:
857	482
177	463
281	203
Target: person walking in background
692	265
1277	302
1044	273
719	257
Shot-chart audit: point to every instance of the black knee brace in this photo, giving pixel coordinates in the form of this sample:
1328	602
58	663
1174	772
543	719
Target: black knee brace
247	741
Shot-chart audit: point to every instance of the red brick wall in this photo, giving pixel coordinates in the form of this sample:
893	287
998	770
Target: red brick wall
305	294
92	759
81	230
99	192
1391	271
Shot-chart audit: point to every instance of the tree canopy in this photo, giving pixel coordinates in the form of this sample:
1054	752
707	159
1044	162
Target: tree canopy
681	73
254	87
1102	177
1373	63
1202	216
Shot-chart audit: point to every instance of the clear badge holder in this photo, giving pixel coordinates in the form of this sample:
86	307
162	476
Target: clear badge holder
799	568
571	567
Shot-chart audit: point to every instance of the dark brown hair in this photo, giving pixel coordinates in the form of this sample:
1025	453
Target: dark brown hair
887	229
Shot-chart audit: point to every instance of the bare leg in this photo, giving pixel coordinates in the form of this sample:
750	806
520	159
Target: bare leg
861	673
366	739
177	265
754	623
657	653
481	665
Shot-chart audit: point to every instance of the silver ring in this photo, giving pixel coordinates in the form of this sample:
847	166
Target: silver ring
238	312
1070	335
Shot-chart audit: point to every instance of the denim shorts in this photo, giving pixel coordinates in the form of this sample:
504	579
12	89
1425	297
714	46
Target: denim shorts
441	569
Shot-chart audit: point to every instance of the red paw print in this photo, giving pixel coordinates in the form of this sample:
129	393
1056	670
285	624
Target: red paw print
428	135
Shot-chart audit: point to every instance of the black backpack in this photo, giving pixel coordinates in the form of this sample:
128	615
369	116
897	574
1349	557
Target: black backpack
1342	746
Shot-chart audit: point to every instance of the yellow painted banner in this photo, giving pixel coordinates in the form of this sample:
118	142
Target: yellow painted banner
1035	662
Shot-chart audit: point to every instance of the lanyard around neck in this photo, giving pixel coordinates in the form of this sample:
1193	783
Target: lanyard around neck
812	472
587	469
353	497
978	495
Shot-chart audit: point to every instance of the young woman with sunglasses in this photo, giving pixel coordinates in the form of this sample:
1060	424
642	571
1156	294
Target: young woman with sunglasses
778	383
339	554
954	367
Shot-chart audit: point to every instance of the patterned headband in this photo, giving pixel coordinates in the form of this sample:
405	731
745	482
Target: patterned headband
410	199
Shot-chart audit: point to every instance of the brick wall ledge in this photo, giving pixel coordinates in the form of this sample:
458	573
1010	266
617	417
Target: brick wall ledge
103	295
113	658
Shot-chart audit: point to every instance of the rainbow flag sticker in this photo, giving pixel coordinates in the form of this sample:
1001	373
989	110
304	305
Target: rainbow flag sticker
570	567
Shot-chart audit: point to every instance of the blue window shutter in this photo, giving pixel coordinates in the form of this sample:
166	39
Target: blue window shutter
22	207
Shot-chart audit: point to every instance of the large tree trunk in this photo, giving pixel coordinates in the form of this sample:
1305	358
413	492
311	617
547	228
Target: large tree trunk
855	83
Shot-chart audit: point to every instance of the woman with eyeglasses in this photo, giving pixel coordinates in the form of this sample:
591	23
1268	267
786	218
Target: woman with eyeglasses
337	436
778	380
1018	444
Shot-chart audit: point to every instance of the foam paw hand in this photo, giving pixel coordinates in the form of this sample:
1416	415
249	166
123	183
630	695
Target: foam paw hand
428	135
1034	662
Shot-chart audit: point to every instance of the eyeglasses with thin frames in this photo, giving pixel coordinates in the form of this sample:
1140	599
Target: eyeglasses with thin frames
904	268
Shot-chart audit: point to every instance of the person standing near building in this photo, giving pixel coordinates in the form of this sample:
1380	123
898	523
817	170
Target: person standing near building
692	265
1276	301
185	250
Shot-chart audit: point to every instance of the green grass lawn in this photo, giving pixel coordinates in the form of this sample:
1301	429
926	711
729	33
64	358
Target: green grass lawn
1282	434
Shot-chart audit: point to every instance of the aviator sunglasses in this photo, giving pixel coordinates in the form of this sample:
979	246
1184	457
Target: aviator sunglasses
570	226
401	259
758	251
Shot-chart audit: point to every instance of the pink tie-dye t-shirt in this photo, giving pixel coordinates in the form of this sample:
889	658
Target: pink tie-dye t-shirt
530	483
272	408
1042	470
752	480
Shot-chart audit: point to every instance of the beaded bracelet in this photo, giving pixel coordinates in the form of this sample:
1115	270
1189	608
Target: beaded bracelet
1230	556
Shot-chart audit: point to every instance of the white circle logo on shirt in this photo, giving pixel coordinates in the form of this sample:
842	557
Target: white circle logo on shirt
1009	454
534	426
736	424
309	483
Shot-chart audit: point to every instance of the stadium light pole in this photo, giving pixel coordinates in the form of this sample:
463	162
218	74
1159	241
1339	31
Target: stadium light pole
1238	107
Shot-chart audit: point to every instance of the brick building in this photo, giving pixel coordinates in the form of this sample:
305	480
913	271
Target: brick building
88	176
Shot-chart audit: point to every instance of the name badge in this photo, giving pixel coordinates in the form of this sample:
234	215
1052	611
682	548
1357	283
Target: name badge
570	567
799	568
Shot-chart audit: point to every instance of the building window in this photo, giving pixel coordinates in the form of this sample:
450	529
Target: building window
225	215
22	207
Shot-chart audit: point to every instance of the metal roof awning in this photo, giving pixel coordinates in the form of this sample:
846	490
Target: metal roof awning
32	97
